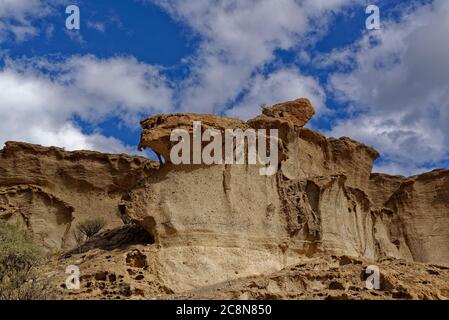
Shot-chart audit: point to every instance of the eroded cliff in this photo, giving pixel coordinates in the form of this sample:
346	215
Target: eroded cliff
213	223
228	221
48	189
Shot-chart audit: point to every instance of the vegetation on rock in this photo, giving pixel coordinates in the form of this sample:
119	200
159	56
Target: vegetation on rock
19	256
88	228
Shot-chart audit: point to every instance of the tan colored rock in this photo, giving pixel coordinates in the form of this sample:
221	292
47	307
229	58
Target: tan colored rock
294	114
50	189
47	217
225	230
222	220
157	129
334	278
354	159
114	275
310	154
323	200
421	216
382	186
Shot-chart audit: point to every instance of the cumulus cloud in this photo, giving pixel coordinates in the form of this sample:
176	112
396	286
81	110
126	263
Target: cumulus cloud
119	85
238	38
40	99
282	85
398	89
397	103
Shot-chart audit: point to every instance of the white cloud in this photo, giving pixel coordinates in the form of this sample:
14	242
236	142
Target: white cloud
96	25
16	17
40	98
282	85
407	147
400	168
398	104
238	38
399	89
122	85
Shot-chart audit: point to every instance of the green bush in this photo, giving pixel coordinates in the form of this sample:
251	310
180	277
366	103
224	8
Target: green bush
18	258
88	228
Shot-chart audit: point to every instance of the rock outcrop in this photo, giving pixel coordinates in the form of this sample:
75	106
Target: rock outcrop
229	222
49	190
131	273
419	212
293	114
157	129
208	224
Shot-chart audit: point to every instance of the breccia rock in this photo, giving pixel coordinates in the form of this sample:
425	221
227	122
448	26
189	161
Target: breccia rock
213	223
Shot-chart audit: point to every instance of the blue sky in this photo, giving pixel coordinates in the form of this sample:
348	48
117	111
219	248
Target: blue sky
88	89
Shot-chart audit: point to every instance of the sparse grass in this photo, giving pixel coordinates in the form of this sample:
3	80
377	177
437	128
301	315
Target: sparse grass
88	228
19	257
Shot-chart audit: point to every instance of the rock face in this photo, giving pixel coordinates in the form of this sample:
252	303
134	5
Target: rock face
229	222
420	211
333	278
213	223
131	273
49	190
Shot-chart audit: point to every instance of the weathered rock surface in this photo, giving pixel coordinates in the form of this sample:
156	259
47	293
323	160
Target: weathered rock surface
49	189
420	216
131	273
333	278
230	222
157	129
294	114
210	224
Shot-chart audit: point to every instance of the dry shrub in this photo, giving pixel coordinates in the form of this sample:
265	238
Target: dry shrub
19	256
88	228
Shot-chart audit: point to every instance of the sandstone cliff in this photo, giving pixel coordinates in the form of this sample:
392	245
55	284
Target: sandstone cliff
49	189
324	198
213	223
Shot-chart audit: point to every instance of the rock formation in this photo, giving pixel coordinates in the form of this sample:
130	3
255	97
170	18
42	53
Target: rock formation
48	189
157	129
209	224
323	199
